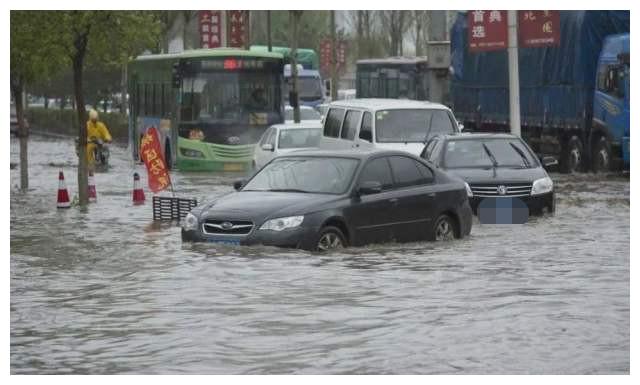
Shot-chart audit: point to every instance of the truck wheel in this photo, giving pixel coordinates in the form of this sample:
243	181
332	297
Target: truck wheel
601	155
572	156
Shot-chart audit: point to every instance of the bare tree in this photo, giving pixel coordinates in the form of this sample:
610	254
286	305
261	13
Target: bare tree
394	25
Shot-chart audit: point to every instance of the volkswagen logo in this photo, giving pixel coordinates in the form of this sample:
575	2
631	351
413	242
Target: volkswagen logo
233	140
226	225
502	190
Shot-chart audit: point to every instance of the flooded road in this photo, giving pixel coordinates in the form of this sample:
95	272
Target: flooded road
108	292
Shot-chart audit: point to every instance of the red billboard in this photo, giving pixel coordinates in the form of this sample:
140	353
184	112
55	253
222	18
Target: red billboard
538	28
210	29
487	30
325	56
237	27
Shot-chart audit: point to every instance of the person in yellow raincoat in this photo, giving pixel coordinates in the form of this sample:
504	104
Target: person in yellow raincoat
95	130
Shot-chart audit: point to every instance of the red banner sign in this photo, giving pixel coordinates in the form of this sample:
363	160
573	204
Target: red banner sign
538	28
487	30
325	56
151	153
210	29
237	25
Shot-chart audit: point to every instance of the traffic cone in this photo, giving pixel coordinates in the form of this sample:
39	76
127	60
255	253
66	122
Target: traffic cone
63	194
92	188
138	193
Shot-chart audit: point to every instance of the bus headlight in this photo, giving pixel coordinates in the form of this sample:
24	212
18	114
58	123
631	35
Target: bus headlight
542	186
191	153
279	224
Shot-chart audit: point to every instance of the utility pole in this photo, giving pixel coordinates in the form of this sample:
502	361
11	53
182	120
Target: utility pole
293	96
514	73
269	30
334	48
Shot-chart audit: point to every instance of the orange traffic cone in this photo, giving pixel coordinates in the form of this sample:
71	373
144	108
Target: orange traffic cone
63	194
92	188
138	193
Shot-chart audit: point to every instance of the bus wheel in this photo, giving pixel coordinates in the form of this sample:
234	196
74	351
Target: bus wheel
572	156
601	155
167	155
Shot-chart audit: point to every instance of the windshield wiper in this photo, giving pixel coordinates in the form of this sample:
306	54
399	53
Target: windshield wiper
288	190
493	159
519	151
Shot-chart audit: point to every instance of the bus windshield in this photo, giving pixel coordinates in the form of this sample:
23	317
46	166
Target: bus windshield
230	97
309	88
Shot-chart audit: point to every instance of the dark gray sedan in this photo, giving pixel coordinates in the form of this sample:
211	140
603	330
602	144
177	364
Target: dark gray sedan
322	200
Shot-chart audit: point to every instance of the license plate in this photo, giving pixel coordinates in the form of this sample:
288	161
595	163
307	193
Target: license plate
233	167
225	242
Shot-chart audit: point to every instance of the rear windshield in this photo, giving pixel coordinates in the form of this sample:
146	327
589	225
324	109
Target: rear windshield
407	125
300	138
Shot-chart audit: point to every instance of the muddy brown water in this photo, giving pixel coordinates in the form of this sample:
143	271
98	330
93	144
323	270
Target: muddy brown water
109	292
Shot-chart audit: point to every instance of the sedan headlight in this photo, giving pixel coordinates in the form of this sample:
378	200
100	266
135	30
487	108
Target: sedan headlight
190	222
542	186
469	192
279	224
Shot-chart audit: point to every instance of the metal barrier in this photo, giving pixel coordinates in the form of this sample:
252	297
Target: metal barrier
171	208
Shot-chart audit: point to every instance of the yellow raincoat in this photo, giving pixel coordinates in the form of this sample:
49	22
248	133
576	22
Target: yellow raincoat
96	130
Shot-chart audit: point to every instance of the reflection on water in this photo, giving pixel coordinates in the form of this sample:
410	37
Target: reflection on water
108	291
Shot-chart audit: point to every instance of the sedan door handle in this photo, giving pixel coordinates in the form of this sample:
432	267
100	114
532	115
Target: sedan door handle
393	201
431	195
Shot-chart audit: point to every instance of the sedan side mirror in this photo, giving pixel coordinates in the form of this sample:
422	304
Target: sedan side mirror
369	187
267	147
460	127
548	161
237	185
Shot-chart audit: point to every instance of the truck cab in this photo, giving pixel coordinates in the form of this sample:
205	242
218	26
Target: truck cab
610	128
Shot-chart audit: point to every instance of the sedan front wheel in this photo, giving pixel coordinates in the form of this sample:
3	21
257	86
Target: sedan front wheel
443	229
330	238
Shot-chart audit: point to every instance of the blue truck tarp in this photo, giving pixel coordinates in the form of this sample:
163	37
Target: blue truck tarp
556	83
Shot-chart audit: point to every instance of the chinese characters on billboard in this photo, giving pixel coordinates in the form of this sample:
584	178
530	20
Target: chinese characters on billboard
210	29
538	28
487	30
325	56
237	27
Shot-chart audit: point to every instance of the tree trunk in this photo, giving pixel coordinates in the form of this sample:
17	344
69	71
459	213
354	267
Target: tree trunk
78	67
123	90
269	30
334	64
295	21
23	133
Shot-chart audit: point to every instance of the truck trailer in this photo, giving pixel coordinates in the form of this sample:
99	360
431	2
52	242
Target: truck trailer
557	88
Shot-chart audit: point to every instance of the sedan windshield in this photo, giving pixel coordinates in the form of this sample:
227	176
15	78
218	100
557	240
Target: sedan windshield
405	125
305	174
466	153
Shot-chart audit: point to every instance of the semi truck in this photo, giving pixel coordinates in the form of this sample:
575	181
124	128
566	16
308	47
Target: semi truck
574	96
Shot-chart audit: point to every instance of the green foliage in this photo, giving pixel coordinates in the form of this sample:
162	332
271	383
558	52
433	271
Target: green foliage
54	120
32	56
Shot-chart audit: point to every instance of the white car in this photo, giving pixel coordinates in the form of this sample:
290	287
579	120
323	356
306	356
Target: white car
306	114
391	124
283	138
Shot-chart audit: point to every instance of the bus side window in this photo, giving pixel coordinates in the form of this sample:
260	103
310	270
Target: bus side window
365	128
162	104
138	98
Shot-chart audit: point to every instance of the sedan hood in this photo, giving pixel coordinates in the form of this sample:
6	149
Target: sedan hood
499	174
257	205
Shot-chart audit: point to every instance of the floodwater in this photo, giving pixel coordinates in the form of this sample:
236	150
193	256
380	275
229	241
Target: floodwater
109	292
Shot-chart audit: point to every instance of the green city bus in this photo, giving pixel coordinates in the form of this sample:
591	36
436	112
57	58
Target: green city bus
210	106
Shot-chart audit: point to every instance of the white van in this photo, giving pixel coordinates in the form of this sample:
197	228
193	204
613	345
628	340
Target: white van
396	124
